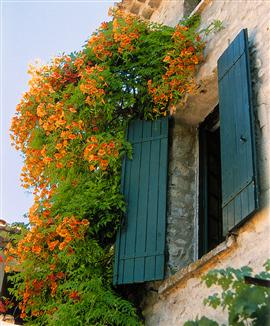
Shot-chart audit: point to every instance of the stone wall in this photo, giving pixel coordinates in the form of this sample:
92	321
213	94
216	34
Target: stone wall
143	8
180	296
182	196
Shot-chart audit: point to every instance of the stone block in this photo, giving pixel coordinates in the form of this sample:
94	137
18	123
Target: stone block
147	12
154	3
135	8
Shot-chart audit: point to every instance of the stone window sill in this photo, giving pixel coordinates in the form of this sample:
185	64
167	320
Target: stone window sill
200	7
194	269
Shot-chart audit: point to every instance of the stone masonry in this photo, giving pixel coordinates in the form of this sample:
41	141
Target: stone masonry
143	8
181	206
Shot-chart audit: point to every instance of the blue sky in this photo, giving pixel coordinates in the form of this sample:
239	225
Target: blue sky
31	30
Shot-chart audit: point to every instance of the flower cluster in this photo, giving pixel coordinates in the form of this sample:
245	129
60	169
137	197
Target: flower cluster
124	32
69	229
181	62
101	43
93	85
100	154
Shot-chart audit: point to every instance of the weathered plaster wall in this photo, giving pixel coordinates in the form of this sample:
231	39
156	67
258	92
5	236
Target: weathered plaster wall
182	194
173	305
184	300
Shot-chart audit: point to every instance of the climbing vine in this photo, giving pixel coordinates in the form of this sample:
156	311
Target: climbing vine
69	127
245	303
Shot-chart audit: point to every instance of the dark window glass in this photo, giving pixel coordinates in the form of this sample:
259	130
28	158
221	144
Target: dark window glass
210	214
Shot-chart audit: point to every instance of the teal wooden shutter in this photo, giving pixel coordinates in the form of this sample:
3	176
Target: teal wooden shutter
140	244
239	183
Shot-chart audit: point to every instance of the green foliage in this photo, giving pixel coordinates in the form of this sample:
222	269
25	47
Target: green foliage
95	303
201	322
246	304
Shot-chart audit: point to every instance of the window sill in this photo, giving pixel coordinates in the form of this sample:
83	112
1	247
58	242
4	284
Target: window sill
200	7
194	269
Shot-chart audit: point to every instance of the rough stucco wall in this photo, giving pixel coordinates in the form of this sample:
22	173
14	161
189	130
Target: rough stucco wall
184	301
169	13
181	206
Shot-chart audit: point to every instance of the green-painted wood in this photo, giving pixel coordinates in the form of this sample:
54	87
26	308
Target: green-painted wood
238	162
132	208
139	266
120	252
150	268
161	221
225	219
160	263
152	205
142	204
140	245
116	265
238	209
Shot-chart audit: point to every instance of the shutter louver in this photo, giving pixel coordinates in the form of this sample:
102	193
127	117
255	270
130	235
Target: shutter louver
238	164
140	244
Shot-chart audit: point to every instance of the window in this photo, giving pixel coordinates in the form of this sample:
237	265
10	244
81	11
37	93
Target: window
228	182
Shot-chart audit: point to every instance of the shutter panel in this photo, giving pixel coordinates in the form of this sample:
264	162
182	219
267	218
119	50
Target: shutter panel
140	244
238	163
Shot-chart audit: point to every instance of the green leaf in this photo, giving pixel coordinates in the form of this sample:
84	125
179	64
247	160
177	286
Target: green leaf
204	321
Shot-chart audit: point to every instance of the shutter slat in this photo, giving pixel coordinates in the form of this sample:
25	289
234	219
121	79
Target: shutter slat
160	262
225	219
238	209
239	193
122	232
230	215
161	223
244	198
118	267
142	205
235	74
140	245
150	267
128	271
139	270
132	207
153	197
